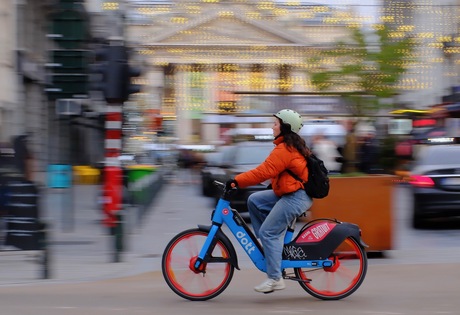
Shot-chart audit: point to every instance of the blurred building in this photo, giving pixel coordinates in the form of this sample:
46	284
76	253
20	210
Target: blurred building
213	65
434	24
38	38
23	54
208	65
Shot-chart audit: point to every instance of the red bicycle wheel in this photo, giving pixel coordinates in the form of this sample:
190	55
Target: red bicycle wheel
177	265
342	279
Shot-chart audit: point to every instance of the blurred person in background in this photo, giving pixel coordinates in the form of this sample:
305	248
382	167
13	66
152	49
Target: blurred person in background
326	150
272	210
350	149
186	164
368	154
22	156
404	151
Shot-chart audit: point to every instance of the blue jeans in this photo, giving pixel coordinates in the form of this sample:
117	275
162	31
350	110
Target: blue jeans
270	216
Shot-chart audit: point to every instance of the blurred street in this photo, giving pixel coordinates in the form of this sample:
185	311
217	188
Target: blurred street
85	280
82	249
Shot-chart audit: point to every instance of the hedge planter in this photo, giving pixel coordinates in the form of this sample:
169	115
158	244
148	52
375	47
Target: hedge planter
363	200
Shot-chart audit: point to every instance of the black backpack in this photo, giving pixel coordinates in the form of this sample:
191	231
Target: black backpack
318	181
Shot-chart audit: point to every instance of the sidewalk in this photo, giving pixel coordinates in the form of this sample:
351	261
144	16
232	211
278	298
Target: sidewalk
81	249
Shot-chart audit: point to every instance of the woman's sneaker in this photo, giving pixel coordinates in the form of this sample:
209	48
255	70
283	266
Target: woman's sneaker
270	285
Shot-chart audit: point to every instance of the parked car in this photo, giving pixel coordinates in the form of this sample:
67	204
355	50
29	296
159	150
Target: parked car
435	181
236	159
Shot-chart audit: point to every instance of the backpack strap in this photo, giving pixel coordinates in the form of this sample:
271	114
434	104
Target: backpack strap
294	175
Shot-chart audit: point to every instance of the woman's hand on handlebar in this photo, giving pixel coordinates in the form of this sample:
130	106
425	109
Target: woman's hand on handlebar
231	184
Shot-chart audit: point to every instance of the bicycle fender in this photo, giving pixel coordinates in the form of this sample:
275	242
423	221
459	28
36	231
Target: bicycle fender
354	231
338	235
320	243
222	237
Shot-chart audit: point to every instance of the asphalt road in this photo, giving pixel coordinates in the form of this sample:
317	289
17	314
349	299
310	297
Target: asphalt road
388	289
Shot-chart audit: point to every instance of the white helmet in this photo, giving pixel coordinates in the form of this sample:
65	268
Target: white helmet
293	118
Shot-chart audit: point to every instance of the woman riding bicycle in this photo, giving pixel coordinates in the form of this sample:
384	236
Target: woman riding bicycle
272	210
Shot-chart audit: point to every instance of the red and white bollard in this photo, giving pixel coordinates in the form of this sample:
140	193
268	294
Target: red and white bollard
113	176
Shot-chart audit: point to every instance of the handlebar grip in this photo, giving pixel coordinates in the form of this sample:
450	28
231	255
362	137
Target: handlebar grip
217	183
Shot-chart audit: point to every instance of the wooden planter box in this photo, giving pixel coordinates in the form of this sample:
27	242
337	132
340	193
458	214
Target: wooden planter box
364	200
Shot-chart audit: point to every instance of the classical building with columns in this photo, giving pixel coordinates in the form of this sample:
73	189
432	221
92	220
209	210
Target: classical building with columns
212	66
212	61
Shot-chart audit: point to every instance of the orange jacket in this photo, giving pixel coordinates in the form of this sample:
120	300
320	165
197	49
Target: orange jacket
274	166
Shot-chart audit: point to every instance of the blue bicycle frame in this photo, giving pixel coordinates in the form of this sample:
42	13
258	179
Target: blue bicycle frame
224	214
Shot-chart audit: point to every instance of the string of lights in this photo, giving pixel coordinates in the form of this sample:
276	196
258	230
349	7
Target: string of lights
230	40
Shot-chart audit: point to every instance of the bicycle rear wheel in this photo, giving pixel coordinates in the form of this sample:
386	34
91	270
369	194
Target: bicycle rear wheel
340	280
177	265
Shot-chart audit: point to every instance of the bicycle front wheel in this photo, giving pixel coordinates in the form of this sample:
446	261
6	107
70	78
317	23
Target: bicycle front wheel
342	279
179	258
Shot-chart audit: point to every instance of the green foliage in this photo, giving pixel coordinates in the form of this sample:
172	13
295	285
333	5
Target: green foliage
364	70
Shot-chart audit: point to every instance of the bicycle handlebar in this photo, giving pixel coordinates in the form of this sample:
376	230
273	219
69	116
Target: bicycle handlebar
226	194
217	183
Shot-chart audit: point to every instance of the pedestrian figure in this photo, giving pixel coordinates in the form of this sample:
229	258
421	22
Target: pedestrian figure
326	150
185	164
368	156
349	150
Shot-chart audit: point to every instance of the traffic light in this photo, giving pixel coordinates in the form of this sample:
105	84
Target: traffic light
130	72
114	74
108	72
98	69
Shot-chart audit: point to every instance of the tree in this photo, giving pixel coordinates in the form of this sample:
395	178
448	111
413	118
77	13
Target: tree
365	70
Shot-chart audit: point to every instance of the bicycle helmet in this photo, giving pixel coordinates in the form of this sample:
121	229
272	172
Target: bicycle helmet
291	118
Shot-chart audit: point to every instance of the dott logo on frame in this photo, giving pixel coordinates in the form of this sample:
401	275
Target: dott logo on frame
247	244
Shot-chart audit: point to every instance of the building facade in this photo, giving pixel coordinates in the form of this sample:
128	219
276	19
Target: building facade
208	65
214	66
23	54
434	24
